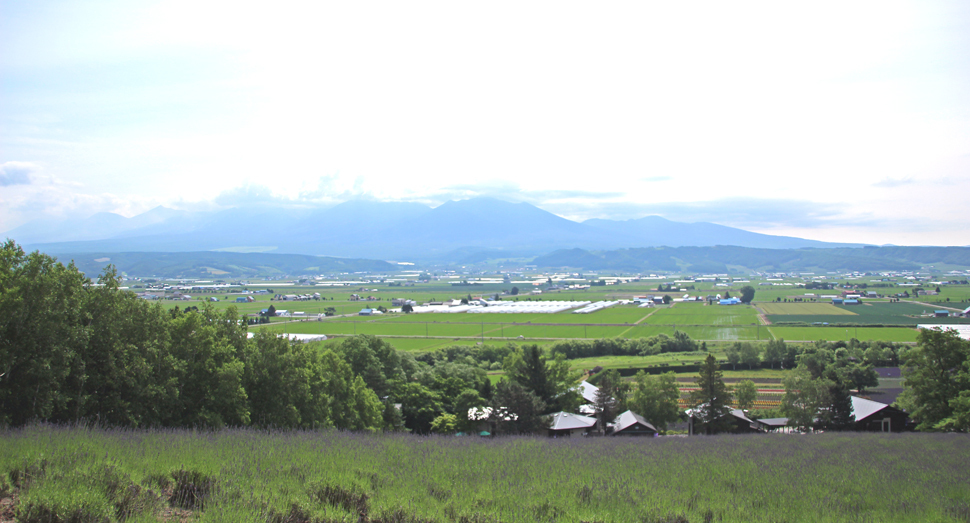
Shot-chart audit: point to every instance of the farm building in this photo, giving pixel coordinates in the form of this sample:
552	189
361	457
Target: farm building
966	312
729	301
837	301
872	416
588	391
568	424
773	424
852	301
632	424
941	314
742	424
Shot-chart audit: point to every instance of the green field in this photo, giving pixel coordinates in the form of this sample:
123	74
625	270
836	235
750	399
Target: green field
249	476
703	314
804	309
897	334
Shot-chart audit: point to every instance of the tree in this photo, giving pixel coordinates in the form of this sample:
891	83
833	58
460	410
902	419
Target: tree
271	311
420	406
750	354
775	351
727	295
747	293
745	393
407	308
804	398
330	311
610	398
733	353
655	398
667	299
517	410
935	375
711	398
444	424
514	291
551	381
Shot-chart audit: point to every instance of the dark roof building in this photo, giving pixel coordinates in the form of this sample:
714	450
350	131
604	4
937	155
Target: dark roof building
632	424
567	424
741	423
873	416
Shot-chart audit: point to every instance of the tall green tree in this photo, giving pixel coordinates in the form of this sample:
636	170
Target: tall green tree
516	410
610	398
745	393
805	396
551	381
747	293
40	331
935	378
655	398
711	399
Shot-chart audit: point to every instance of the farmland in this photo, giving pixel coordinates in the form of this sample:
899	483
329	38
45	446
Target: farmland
246	475
881	313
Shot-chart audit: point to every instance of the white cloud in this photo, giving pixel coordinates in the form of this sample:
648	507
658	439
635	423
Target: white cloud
17	173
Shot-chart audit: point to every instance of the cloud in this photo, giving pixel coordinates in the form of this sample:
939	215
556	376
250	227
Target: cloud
510	191
889	183
736	212
17	173
656	179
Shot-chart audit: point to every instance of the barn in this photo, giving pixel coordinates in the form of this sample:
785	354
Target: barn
567	424
632	424
872	416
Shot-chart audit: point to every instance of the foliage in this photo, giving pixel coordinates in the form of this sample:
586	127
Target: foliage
518	410
747	294
711	399
655	398
937	381
745	394
75	352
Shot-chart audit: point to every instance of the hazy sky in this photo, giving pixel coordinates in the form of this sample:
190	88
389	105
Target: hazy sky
838	121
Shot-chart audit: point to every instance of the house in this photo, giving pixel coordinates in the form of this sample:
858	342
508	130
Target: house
568	424
366	312
632	424
741	423
588	391
873	416
772	424
242	299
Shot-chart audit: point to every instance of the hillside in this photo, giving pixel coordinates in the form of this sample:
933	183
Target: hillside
451	232
718	259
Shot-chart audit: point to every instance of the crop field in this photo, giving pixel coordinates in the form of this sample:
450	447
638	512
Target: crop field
883	313
897	334
702	314
804	309
249	476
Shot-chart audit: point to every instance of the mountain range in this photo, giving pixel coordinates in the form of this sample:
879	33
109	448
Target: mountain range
456	231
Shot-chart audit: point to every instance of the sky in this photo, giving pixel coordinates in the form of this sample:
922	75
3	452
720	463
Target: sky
835	121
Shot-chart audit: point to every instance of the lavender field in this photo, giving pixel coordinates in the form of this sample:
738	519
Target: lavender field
64	474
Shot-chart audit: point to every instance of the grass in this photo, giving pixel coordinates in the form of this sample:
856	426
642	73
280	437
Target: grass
896	334
244	475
